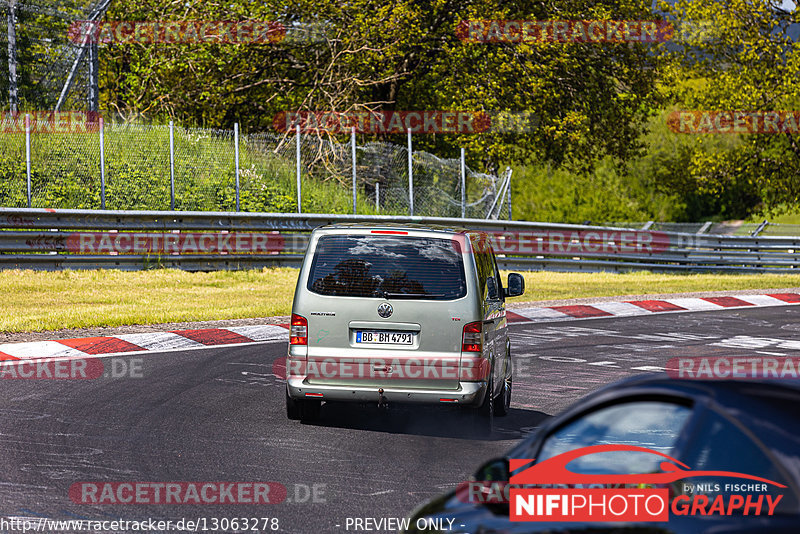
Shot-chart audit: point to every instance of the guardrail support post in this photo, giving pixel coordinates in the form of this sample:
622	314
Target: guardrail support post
353	145
463	186
410	177
102	166
705	227
236	159
172	165
28	154
297	149
760	228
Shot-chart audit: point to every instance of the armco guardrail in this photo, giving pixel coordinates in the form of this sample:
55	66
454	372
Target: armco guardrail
132	240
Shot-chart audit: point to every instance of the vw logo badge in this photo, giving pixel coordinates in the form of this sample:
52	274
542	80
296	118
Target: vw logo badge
385	310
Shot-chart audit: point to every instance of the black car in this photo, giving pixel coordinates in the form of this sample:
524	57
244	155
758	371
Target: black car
739	426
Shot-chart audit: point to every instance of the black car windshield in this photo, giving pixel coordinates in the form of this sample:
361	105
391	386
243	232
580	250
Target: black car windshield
388	266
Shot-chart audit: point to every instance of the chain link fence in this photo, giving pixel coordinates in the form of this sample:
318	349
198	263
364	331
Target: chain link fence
44	49
13	182
197	171
136	166
162	167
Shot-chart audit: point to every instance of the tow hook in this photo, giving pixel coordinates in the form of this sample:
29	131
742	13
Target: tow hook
382	401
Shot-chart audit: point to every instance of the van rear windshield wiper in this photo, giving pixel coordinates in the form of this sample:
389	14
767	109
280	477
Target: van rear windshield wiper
387	295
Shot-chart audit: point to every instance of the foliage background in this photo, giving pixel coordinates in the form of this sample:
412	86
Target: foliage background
601	149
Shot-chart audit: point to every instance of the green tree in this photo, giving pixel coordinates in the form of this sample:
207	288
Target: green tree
590	99
740	55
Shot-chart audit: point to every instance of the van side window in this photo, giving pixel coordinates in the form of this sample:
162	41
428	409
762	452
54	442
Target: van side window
497	277
484	261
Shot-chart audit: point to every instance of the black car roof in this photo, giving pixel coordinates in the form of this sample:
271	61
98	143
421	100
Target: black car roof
730	394
734	385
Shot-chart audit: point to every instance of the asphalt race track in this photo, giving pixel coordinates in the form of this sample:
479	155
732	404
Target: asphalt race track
218	415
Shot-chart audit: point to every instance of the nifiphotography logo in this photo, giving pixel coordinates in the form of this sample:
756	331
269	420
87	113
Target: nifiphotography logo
647	501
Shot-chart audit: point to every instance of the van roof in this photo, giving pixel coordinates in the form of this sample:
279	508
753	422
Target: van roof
398	226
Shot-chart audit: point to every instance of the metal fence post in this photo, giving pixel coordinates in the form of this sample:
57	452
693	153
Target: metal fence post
353	143
28	154
410	177
299	195
236	159
172	165
377	196
463	186
509	194
102	166
13	93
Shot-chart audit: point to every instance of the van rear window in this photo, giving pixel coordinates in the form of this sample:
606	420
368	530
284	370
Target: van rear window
387	267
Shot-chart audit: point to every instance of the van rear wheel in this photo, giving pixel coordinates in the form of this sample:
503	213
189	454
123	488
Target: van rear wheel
292	408
483	415
503	402
302	409
310	409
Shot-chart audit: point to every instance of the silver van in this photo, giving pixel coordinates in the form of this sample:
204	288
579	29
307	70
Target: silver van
408	314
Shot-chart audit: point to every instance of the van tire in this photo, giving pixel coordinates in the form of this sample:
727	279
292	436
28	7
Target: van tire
503	401
483	415
292	408
302	409
310	410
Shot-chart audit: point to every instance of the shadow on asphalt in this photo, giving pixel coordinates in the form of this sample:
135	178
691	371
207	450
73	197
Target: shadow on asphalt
436	421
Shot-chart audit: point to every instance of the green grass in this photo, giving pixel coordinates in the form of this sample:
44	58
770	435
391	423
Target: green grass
786	218
38	301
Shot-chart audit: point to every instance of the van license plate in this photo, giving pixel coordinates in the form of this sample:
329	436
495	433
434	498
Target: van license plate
377	337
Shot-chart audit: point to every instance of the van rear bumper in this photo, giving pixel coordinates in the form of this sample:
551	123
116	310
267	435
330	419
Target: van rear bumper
467	393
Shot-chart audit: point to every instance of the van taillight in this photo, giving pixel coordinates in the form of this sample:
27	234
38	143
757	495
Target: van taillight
298	332
471	340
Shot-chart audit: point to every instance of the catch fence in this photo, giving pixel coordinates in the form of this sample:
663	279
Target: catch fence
129	166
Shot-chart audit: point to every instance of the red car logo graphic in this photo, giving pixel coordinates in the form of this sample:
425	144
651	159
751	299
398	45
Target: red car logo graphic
554	470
